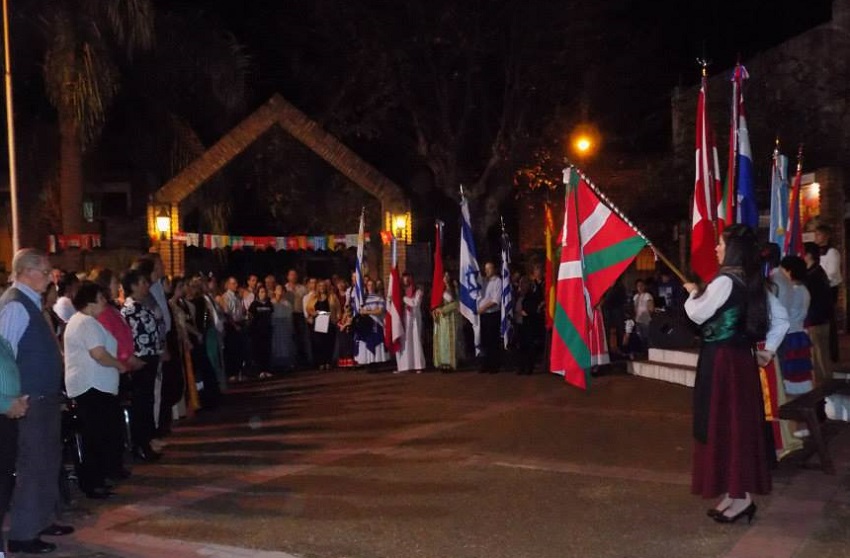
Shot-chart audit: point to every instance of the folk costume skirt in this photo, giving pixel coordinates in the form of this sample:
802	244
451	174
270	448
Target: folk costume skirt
729	445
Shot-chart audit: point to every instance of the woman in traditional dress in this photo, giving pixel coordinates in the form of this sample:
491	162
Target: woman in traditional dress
323	333
411	355
188	335
369	329
734	311
445	327
283	331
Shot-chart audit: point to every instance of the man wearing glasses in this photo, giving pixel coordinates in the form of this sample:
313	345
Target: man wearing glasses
36	350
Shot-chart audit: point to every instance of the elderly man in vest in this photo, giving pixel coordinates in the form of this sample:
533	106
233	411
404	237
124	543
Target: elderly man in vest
36	497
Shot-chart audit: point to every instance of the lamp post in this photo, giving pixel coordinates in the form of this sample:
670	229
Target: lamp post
584	142
10	131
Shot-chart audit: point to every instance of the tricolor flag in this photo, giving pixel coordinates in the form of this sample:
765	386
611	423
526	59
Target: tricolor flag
570	356
747	210
778	199
470	274
706	187
357	299
507	299
393	326
438	285
794	230
597	245
608	243
550	271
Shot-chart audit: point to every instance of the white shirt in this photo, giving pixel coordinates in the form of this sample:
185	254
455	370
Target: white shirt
492	293
158	293
831	264
64	308
641	302
716	293
82	372
798	306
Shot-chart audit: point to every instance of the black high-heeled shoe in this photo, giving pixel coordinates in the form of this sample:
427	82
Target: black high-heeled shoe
714	512
749	511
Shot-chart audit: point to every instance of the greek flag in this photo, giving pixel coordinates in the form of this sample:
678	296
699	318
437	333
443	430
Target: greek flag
470	275
357	299
507	293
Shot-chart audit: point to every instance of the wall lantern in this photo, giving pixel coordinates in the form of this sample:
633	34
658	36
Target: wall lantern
400	224
163	222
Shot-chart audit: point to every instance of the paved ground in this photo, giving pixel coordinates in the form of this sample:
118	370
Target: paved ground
359	465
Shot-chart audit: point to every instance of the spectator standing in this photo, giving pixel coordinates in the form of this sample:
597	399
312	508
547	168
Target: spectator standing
644	304
65	289
830	261
296	292
323	312
260	318
91	378
306	342
817	318
148	346
234	332
283	338
36	496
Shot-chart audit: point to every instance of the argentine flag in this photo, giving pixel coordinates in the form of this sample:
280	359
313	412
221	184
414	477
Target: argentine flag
779	195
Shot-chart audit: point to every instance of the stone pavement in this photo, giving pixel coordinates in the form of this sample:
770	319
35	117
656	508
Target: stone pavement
353	464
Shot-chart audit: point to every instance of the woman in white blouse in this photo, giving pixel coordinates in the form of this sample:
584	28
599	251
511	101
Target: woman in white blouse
734	312
91	378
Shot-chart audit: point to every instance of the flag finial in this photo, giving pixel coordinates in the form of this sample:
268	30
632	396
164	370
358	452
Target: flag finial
800	158
704	63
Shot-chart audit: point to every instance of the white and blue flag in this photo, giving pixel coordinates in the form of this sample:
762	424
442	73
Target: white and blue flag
507	293
357	298
779	195
470	274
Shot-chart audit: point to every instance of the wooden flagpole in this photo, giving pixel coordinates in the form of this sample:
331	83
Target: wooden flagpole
608	203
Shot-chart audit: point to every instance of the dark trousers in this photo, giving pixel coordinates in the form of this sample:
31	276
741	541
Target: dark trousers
303	342
235	352
531	334
491	342
35	500
144	382
8	454
100	423
204	372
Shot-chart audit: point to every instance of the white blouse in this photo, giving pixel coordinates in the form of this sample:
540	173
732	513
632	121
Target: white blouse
716	294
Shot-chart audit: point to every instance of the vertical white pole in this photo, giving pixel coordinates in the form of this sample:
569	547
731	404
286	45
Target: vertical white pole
10	130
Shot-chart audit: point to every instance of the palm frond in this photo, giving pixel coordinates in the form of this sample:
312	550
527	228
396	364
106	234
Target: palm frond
131	22
80	77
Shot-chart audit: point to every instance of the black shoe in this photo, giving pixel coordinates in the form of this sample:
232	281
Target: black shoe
749	511
146	453
120	475
57	530
714	512
34	546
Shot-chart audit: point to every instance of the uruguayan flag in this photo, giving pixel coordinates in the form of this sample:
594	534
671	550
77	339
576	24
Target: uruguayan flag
470	275
357	298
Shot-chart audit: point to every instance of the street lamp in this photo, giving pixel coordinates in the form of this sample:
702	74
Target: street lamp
163	222
584	141
400	225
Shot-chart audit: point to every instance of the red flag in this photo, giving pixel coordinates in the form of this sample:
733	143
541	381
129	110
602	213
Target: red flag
706	189
794	230
550	268
437	282
570	356
393	327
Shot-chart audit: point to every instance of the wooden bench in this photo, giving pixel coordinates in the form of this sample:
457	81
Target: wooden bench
805	409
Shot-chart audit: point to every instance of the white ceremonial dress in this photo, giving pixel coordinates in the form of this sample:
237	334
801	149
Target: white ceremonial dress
411	356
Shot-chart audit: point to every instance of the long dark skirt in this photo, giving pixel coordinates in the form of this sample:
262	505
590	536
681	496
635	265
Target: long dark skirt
729	445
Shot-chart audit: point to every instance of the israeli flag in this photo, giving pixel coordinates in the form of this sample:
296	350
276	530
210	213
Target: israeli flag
470	275
507	292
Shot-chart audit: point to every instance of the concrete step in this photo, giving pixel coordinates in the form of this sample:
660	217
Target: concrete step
666	372
674	357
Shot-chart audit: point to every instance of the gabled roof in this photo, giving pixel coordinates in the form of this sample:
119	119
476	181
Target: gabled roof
278	111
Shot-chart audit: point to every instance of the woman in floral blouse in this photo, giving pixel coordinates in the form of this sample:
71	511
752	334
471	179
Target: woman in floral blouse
148	346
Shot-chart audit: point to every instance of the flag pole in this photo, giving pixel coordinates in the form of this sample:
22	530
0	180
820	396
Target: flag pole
629	222
10	130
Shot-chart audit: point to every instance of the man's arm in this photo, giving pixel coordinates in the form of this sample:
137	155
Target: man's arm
14	321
